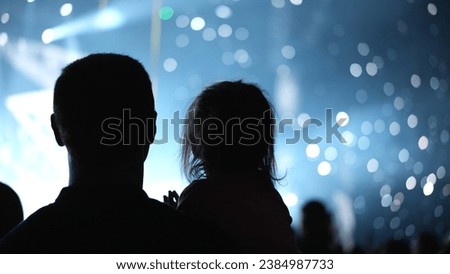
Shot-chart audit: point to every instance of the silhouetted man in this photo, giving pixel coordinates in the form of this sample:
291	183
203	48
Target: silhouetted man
104	115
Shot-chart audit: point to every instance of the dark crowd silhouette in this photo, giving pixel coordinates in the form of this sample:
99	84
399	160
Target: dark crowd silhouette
104	115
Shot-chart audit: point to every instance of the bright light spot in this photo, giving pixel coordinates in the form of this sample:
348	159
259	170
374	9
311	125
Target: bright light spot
297	2
371	69
225	30
372	165
415	80
423	143
428	189
228	58
440	173
5	18
431	178
165	13
330	153
223	12
394	128
170	65
432	9
197	23
348	138
241	34
363	143
30	1
403	155
108	19
241	56
3	39
363	49
434	83
66	9
411	183
47	36
379	126
303	120
288	52
324	168
399	103
182	40
388	88
278	4
312	151
356	70
342	118
446	190
361	96
290	199
412	121
182	21
366	128
386	201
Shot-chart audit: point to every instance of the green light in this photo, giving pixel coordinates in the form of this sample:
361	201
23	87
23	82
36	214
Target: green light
165	13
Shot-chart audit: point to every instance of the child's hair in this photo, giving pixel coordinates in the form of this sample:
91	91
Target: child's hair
229	128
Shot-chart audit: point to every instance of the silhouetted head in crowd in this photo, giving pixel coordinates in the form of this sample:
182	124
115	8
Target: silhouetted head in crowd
428	243
104	114
230	129
11	212
316	228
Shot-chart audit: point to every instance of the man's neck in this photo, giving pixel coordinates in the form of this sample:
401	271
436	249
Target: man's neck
99	172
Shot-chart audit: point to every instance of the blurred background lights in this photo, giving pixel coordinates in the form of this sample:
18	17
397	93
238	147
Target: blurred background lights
306	56
288	52
324	168
166	13
312	151
290	199
197	23
223	12
66	9
363	49
415	80
432	9
4	18
428	189
423	142
356	70
182	21
342	118
296	2
372	165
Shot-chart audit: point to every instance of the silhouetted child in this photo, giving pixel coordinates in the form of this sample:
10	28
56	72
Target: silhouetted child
316	230
11	213
104	115
228	156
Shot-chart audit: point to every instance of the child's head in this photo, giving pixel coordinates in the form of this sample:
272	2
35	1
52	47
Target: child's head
230	129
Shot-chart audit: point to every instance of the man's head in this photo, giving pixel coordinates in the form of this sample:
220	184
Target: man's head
104	108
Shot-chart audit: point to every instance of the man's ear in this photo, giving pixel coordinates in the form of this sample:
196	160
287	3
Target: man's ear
56	131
